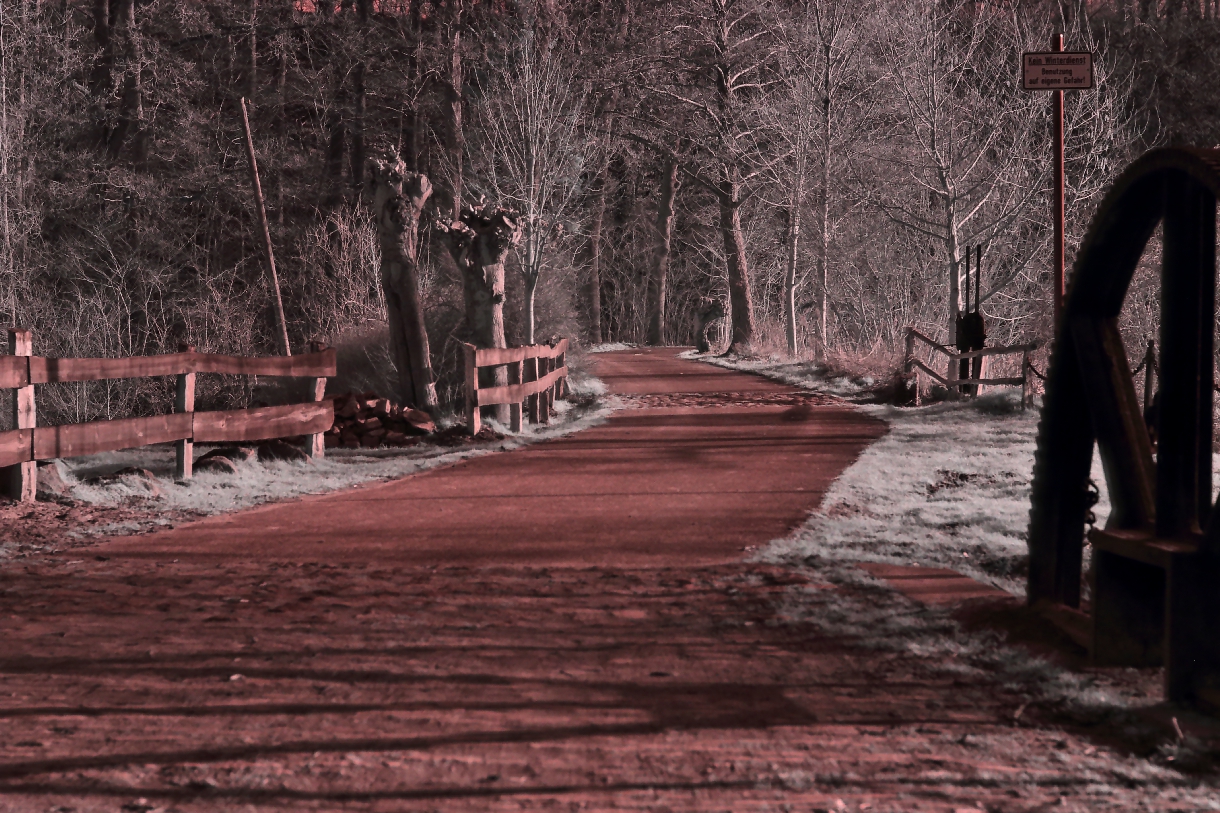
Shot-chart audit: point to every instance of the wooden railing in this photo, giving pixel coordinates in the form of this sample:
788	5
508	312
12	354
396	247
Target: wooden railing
952	381
27	443
537	375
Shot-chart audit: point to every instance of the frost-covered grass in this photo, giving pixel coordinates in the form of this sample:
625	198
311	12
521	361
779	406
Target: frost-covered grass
948	486
255	483
609	347
812	375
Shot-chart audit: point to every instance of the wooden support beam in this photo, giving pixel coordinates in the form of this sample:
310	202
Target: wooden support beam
21	479
473	419
1188	306
515	372
315	443
1122	440
184	402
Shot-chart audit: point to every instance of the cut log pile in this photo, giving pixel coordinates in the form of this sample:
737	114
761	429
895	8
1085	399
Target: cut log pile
365	420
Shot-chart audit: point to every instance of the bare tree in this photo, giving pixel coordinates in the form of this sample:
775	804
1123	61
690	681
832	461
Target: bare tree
398	200
479	243
961	136
724	47
819	49
534	151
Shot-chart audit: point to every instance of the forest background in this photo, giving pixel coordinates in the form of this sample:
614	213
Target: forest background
815	169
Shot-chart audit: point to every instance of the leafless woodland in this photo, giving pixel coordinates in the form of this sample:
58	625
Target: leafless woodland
818	166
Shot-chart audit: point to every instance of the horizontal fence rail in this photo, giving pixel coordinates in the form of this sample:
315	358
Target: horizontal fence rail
20	448
952	380
537	375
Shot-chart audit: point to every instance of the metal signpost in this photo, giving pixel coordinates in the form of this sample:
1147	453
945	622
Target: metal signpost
1058	70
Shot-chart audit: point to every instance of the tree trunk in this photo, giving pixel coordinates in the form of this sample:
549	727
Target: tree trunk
595	262
131	103
358	159
740	304
794	237
456	142
252	77
531	288
101	78
660	267
398	200
824	214
479	243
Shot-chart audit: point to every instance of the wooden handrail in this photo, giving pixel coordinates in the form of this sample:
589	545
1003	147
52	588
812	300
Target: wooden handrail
21	371
934	344
537	375
27	443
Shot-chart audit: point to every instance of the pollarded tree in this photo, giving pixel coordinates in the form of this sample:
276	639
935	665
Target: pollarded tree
534	150
398	200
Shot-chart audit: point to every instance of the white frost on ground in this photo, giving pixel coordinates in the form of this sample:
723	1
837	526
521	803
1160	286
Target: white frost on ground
810	375
948	486
256	483
610	347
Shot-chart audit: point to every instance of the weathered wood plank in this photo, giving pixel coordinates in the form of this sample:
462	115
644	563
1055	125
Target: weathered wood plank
1122	440
16	446
995	351
14	372
264	423
55	370
516	393
492	356
74	440
308	365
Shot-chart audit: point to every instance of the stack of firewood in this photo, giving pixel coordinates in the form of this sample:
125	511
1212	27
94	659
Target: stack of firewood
364	420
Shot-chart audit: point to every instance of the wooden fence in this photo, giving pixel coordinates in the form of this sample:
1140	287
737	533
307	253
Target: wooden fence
537	375
27	443
952	381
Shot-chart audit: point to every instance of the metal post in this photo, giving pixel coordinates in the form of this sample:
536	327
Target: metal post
1057	45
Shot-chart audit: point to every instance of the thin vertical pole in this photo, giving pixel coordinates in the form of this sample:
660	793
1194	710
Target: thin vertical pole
262	221
978	277
1057	45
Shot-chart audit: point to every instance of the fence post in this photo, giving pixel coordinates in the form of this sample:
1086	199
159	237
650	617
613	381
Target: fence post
515	371
544	397
21	479
915	383
315	445
952	375
473	419
561	384
184	401
1149	374
531	374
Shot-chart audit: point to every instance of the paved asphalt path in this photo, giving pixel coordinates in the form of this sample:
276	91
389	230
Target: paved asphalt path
568	626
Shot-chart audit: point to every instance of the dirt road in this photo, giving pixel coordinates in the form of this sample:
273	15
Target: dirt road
563	627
